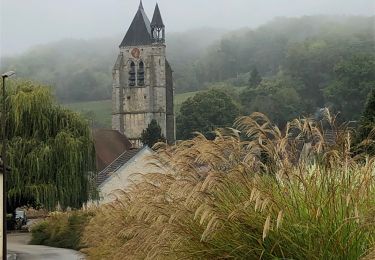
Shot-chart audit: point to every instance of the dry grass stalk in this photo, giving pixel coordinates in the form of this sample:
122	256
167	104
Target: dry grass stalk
216	199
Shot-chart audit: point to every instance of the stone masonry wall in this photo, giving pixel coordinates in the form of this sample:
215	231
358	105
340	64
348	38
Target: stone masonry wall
135	106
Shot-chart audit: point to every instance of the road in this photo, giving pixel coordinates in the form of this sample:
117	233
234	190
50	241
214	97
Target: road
18	244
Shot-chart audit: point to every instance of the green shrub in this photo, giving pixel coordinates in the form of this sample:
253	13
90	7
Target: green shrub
62	230
40	233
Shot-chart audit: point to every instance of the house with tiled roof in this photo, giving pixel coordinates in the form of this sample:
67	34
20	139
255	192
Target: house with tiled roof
118	163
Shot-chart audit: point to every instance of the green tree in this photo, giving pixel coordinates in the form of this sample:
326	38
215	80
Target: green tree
367	124
255	78
204	112
152	134
277	97
312	62
354	79
50	150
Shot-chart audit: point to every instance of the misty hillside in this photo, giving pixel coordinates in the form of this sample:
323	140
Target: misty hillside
80	70
269	48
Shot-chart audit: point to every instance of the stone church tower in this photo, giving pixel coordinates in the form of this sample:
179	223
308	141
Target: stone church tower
142	80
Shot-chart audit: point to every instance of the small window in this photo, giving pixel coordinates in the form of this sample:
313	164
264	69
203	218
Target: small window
145	96
132	74
128	97
141	74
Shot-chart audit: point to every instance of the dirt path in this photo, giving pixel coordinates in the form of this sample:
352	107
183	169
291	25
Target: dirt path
18	244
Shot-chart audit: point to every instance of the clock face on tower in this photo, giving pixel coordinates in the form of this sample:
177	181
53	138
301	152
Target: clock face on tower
135	53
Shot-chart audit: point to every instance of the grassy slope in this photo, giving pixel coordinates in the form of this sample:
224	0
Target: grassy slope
101	110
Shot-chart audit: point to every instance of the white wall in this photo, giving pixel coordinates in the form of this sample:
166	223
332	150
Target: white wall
122	178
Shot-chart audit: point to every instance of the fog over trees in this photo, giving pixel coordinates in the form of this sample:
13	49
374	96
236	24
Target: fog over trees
312	61
269	117
81	70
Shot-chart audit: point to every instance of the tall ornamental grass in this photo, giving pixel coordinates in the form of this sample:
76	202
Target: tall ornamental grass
61	229
255	192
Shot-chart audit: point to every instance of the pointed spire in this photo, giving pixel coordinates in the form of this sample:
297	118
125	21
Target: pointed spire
157	21
139	32
140	5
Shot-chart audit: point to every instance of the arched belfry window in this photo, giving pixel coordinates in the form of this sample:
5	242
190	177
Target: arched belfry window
141	74
132	74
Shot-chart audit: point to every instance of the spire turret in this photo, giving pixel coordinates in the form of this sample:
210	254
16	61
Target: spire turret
156	19
157	26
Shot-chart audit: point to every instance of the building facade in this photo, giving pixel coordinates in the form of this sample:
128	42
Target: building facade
123	172
142	80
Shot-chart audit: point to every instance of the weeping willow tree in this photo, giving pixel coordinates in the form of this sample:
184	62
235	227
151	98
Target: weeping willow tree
50	150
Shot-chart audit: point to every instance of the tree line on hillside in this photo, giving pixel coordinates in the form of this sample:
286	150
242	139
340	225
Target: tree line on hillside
291	69
81	70
317	42
307	47
78	70
286	68
215	108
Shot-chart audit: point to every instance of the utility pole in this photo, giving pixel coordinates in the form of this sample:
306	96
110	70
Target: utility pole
3	177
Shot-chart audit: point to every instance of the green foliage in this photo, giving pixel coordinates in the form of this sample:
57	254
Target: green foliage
63	230
307	49
183	50
85	85
152	134
369	113
296	43
97	112
327	56
50	150
278	97
255	78
80	70
354	79
204	112
366	129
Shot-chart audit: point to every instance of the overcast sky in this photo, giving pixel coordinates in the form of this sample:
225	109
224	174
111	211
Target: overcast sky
25	23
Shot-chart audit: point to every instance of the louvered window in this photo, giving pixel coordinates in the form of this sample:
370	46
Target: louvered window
132	74
141	74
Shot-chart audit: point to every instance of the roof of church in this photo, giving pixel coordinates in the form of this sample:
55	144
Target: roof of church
109	145
156	19
139	32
